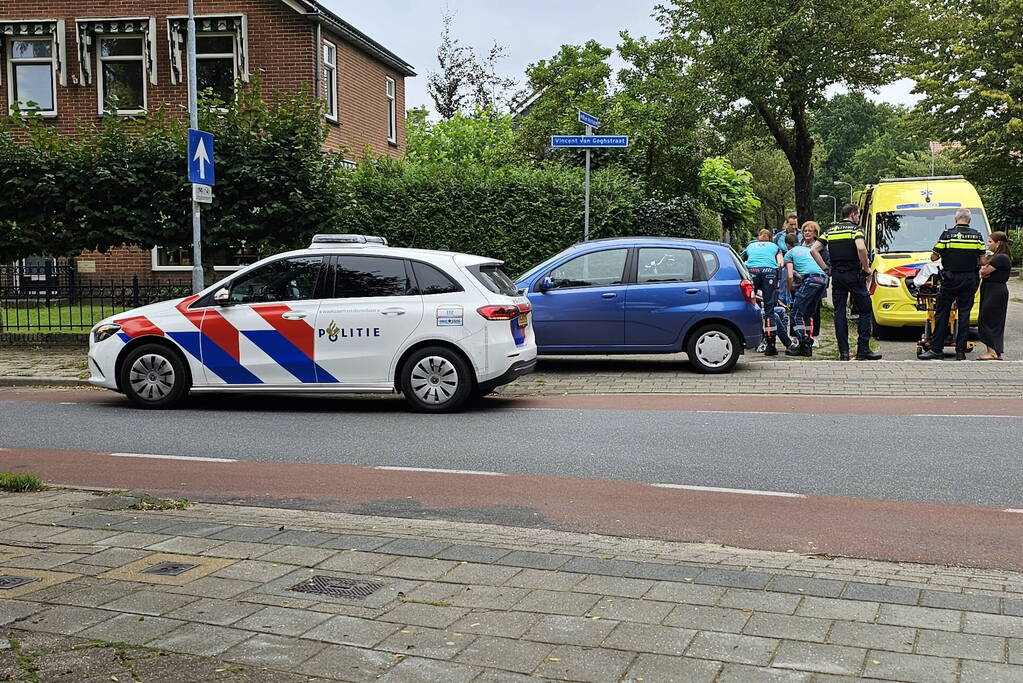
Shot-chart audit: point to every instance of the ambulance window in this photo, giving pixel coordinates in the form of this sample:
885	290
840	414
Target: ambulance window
429	280
370	276
290	279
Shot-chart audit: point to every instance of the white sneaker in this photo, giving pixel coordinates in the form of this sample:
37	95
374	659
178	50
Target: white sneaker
817	341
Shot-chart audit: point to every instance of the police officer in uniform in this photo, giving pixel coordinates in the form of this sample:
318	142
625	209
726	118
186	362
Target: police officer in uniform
849	272
959	249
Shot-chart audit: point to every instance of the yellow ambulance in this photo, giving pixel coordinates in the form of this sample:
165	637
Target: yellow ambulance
902	219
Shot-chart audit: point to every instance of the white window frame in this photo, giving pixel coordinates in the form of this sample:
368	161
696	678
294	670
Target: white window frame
217	55
12	61
392	111
140	58
330	80
157	268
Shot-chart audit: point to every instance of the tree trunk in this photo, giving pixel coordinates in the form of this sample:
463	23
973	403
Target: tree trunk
802	170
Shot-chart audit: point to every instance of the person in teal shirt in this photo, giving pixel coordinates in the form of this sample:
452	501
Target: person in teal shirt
803	261
763	258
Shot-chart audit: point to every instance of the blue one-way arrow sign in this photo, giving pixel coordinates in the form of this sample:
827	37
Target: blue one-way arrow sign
200	157
589	141
588	119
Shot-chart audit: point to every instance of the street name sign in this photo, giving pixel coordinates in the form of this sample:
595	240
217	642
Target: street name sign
588	119
202	193
201	168
589	141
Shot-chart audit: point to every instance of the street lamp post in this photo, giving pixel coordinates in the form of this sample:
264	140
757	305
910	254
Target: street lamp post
849	185
193	121
834	206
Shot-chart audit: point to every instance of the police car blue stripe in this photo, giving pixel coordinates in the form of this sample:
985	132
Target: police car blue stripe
324	377
125	338
284	353
218	361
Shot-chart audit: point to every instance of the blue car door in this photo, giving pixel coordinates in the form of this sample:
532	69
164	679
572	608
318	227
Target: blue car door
584	307
668	294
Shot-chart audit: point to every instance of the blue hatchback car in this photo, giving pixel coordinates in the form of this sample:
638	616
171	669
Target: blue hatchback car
645	295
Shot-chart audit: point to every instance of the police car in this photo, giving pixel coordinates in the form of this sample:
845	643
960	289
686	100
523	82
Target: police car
348	314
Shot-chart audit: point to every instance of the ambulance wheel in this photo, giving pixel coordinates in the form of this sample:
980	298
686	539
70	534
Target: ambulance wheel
713	349
154	376
435	379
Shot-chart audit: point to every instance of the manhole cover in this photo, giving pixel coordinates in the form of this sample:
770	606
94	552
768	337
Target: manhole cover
10	582
338	588
169	568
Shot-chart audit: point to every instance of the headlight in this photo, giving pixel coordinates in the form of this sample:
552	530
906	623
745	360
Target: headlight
105	331
886	280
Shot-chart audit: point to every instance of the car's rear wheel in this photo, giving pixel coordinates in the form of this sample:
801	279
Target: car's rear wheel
713	349
154	376
883	332
435	379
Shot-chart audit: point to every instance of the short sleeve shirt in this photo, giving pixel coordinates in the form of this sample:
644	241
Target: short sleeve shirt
959	248
841	243
762	255
802	261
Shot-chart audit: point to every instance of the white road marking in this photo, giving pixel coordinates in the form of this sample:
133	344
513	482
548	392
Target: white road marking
957	415
431	469
715	489
1013	510
170	457
68	403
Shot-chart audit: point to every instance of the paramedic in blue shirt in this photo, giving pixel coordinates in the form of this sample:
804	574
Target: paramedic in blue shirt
789	228
807	263
764	260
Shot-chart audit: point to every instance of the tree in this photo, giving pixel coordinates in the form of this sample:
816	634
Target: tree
969	73
772	179
730	193
776	58
477	140
842	125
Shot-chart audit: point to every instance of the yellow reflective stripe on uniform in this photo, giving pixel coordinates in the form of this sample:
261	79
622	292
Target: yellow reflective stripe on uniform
838	235
965	244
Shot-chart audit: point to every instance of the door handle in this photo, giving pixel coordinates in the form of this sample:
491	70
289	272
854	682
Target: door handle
692	291
393	311
608	295
294	315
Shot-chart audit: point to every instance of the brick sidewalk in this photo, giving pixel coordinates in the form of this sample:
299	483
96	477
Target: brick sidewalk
260	597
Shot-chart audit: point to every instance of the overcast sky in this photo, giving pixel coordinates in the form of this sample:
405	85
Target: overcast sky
530	30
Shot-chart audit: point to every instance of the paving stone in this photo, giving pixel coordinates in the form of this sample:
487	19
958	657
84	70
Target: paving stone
143	524
275	652
297	555
78	568
130	628
541	578
210	611
426	642
254	570
65	619
897	666
557	602
205	640
48	560
212	587
490	597
733	579
417	669
249	534
962	645
493	676
629	609
480	574
1013	608
91	521
472	553
496	623
114	557
196	529
685	593
705	618
802	585
1015	651
566	630
356	562
242	550
149	602
585	664
729	647
78	665
83	536
740	673
989	672
761	601
354	542
891	595
504	653
787	627
993	625
533	560
297	537
433	616
185	544
663	572
881	637
596	565
967	602
665	669
95	596
610	585
828	659
30	533
345	630
282	621
664	640
128	539
410	547
920	617
16	610
828	608
417	568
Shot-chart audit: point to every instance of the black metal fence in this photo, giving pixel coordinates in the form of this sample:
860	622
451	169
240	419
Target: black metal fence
52	297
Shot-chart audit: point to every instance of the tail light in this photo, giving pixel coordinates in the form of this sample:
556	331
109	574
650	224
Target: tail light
747	291
499	312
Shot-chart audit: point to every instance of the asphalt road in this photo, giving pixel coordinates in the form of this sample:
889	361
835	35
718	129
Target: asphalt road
948	459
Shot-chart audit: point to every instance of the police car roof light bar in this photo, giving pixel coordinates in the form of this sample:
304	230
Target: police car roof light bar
323	240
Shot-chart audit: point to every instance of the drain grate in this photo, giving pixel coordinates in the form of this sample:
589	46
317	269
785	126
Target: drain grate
169	568
11	582
338	588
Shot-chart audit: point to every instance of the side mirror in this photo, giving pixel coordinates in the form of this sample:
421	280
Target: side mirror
222	297
544	284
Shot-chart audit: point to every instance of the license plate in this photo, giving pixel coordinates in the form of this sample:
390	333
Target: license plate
523	319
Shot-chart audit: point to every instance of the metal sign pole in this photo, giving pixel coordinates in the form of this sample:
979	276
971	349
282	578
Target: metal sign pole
586	203
193	118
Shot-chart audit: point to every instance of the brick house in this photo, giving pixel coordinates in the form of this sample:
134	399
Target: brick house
78	60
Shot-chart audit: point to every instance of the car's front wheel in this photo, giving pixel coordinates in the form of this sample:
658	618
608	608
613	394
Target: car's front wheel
154	376
435	379
713	349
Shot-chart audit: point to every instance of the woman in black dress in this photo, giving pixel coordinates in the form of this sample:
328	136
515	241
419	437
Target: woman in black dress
994	296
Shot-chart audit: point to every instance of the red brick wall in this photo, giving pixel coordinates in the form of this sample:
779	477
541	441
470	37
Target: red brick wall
121	263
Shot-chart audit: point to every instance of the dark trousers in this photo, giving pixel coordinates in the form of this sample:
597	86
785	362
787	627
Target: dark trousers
766	280
958	289
843	286
804	305
994	300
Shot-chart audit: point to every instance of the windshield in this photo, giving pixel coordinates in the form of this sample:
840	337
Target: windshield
919	230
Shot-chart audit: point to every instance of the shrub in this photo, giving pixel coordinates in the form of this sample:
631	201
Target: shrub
23	481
